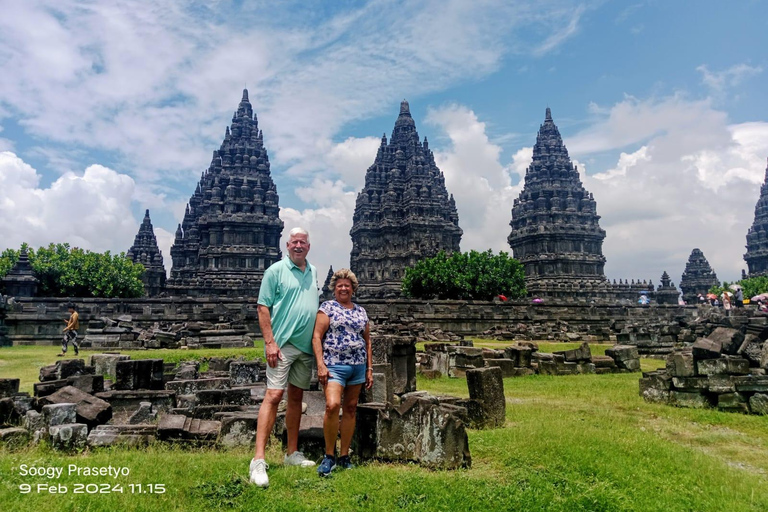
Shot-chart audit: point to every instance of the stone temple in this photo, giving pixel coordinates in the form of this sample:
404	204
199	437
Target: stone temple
697	278
231	229
403	214
145	251
757	236
555	230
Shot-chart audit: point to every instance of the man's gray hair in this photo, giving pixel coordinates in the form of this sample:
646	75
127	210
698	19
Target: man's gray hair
298	231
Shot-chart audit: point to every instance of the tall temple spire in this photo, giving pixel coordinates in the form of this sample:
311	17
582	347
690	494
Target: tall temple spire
231	229
145	251
403	214
697	278
757	236
555	230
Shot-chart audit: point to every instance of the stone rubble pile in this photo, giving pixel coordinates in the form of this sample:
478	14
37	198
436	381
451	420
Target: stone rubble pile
123	333
726	370
524	358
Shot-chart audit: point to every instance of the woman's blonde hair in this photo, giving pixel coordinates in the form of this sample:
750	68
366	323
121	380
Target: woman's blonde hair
343	273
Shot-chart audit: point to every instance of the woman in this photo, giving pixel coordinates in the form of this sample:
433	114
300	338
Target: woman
342	345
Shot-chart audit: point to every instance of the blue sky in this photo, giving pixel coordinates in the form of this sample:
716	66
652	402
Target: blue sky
108	108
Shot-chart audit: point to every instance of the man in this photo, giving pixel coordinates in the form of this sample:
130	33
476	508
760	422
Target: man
70	331
287	307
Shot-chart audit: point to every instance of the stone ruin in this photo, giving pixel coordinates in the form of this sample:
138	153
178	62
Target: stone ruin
145	251
20	281
756	256
124	334
726	370
524	358
120	400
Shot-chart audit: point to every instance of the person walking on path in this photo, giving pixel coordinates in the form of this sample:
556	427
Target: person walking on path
70	331
287	305
342	344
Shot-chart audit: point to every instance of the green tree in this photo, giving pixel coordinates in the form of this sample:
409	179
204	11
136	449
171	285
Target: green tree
751	286
472	275
74	272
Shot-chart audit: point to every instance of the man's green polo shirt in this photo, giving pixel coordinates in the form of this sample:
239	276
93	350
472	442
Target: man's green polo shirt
292	298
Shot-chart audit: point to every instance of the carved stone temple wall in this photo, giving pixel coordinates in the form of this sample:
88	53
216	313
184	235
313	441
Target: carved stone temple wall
698	277
403	214
231	229
757	236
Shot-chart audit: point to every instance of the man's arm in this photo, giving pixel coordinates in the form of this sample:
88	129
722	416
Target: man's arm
271	349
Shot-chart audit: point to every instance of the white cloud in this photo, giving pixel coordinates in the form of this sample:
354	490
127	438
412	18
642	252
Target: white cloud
718	81
91	211
558	37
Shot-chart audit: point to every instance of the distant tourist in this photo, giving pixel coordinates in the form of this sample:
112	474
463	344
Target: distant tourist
739	298
287	304
70	331
726	301
342	343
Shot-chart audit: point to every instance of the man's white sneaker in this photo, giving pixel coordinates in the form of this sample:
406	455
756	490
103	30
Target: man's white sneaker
298	459
259	473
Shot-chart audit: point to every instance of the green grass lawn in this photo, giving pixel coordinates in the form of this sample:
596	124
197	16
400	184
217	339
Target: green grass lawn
581	442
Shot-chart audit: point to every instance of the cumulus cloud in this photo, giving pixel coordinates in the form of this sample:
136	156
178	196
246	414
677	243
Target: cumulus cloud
91	211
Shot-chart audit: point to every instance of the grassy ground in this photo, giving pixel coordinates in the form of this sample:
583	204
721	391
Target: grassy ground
583	442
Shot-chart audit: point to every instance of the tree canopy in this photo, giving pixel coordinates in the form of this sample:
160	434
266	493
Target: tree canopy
469	275
74	272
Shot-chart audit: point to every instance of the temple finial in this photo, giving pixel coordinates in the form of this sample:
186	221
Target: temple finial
404	107
245	95
548	116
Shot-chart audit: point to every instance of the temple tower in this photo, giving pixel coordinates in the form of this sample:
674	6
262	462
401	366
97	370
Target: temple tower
145	251
403	214
231	229
555	230
697	278
757	236
20	281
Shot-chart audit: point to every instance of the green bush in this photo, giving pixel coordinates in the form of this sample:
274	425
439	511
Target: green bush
472	275
74	272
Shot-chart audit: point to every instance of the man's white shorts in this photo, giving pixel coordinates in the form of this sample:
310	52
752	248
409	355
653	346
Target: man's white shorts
295	367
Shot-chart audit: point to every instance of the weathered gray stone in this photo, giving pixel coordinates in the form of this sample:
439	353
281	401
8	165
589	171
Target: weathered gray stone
144	414
721	384
185	387
64	368
758	403
237	429
421	429
173	426
704	348
751	348
625	356
127	435
690	383
242	373
680	363
188	370
68	437
86	383
124	403
487	385
723	365
520	355
735	402
14	437
693	400
139	374
8	387
729	339
233	396
577	354
89	410
106	364
59	414
751	383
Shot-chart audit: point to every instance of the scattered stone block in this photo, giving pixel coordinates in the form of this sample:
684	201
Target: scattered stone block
59	414
577	354
8	387
680	363
177	427
692	400
186	387
734	402
144	414
704	348
721	384
243	373
139	374
758	403
14	437
507	366
106	364
189	370
237	429
487	385
89	410
68	437
723	365
729	339
751	383
626	357
124	435
125	402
